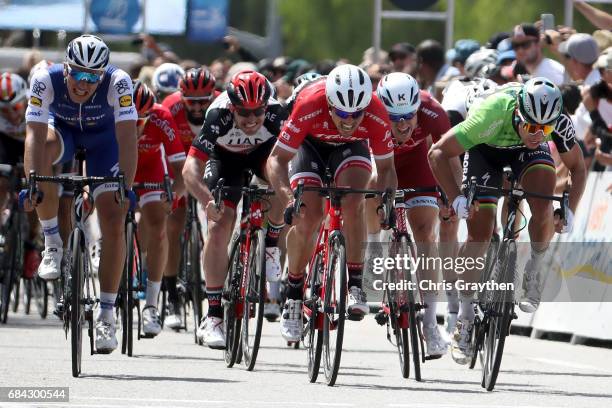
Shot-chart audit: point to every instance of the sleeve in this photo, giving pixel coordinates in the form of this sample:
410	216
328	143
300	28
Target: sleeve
379	132
441	124
172	143
40	97
295	129
276	115
120	96
481	126
204	144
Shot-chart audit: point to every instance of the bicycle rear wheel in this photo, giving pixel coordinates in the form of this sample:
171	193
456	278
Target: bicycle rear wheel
396	315
230	298
501	311
254	299
77	310
195	276
334	307
9	264
313	338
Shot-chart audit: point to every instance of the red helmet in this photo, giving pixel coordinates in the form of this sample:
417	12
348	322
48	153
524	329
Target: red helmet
248	89
197	80
144	98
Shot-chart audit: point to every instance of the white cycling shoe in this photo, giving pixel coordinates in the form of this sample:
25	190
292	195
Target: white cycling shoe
436	344
51	264
211	333
291	322
151	322
106	339
461	341
357	303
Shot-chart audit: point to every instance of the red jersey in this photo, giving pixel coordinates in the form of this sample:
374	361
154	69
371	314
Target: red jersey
159	130
311	117
431	120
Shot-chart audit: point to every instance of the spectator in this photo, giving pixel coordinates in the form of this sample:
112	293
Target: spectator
580	52
403	58
432	66
527	45
598	18
603	39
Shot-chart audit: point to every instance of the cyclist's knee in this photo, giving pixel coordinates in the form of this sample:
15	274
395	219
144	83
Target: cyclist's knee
353	205
541	211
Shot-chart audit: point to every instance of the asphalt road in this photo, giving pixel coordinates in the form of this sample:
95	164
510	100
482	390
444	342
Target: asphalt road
171	370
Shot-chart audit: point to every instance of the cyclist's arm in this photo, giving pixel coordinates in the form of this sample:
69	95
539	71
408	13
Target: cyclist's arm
120	98
277	170
34	150
574	161
387	177
37	114
193	176
178	186
174	151
440	157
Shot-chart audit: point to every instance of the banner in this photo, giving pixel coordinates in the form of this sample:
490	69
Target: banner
207	20
115	16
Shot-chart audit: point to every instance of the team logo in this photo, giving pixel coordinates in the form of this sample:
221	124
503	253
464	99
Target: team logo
125	101
35	101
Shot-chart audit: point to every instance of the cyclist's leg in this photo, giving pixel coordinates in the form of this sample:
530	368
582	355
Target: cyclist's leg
174	228
6	157
535	170
59	148
353	170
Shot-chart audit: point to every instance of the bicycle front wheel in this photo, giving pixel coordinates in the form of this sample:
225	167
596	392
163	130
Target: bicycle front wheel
195	276
230	298
77	310
131	266
313	338
334	308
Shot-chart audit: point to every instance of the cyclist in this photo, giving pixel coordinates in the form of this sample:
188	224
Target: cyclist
509	128
415	116
166	79
84	102
187	105
13	103
329	127
157	140
239	131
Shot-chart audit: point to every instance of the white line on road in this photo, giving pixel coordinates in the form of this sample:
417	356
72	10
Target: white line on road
568	364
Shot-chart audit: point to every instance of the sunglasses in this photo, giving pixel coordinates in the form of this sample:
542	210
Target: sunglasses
525	44
89	77
397	118
245	113
345	115
142	120
533	128
194	100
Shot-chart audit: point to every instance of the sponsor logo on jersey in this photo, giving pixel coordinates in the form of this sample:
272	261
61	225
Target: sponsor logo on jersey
493	127
292	127
38	87
126	112
311	115
164	125
429	112
36	101
125	101
122	86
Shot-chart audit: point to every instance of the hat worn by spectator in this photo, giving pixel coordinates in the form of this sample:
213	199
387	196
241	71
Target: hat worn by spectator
603	39
581	47
505	51
605	59
525	30
464	48
401	50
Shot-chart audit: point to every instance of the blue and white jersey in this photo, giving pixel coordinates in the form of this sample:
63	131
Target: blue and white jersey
111	103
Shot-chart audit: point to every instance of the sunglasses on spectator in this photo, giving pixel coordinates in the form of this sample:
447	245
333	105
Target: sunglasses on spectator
245	113
345	115
142	120
533	128
194	100
405	116
525	44
89	77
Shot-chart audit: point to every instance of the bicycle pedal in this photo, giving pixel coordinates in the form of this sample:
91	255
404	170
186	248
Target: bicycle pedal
381	318
433	357
355	317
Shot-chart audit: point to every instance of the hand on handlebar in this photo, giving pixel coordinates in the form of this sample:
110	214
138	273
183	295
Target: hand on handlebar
214	212
28	204
460	207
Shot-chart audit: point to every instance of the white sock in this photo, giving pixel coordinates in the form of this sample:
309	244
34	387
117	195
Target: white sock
452	297
51	231
152	293
274	290
466	310
374	237
429	316
106	311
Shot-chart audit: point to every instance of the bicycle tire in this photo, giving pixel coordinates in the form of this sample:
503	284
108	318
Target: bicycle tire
10	272
128	276
500	319
76	295
17	253
255	293
334	308
195	276
314	345
414	339
27	295
229	299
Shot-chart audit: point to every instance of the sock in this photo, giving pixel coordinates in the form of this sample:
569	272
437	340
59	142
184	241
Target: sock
171	288
452	297
429	315
272	234
152	293
51	231
295	286
355	271
214	301
375	237
273	290
107	307
537	256
466	310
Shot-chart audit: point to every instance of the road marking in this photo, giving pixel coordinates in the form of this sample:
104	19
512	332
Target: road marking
567	364
202	402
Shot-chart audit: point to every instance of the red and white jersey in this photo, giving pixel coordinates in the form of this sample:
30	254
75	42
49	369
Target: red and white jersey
159	130
310	117
431	120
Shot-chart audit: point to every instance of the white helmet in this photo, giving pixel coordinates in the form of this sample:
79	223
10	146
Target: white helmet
478	90
166	77
348	88
12	88
399	93
478	61
540	101
87	51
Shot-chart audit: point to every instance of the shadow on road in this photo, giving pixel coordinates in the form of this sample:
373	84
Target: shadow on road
129	377
556	373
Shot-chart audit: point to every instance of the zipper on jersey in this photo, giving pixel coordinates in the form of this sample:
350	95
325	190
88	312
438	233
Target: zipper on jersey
81	116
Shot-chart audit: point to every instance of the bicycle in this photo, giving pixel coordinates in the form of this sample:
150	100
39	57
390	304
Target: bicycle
495	308
13	243
325	289
77	286
400	310
244	291
132	280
